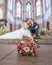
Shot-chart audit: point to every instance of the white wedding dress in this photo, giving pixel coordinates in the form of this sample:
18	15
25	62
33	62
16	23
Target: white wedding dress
16	34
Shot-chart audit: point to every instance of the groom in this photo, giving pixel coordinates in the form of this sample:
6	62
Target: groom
33	27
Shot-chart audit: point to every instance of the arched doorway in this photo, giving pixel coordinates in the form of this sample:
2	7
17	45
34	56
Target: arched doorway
10	27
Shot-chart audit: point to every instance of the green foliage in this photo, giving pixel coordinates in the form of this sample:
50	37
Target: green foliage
38	46
44	31
3	30
24	36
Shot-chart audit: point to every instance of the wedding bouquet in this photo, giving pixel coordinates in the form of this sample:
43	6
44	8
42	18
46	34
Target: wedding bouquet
26	46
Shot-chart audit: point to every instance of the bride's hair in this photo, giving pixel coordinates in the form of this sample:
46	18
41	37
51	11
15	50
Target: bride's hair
24	25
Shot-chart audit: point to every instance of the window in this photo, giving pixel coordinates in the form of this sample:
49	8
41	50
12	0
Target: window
47	3
2	9
18	9
28	10
1	1
38	7
10	5
1	13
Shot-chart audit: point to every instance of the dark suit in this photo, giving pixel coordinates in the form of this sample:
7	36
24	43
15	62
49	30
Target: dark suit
32	28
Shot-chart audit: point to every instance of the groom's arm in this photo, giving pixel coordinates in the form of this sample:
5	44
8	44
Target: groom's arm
35	25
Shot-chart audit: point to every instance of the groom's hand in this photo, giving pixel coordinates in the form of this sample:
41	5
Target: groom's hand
36	27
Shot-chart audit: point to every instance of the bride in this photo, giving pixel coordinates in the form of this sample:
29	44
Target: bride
18	33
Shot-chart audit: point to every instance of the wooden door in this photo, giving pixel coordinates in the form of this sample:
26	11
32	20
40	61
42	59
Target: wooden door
10	27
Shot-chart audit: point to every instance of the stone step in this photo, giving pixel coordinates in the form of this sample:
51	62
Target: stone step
44	41
6	41
47	39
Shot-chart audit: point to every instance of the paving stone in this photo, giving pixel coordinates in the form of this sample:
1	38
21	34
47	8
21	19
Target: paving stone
6	49
44	57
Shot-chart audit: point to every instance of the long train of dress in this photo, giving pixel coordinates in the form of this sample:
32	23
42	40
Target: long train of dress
14	35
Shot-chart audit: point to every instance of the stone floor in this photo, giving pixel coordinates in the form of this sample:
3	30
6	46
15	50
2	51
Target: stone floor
9	56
